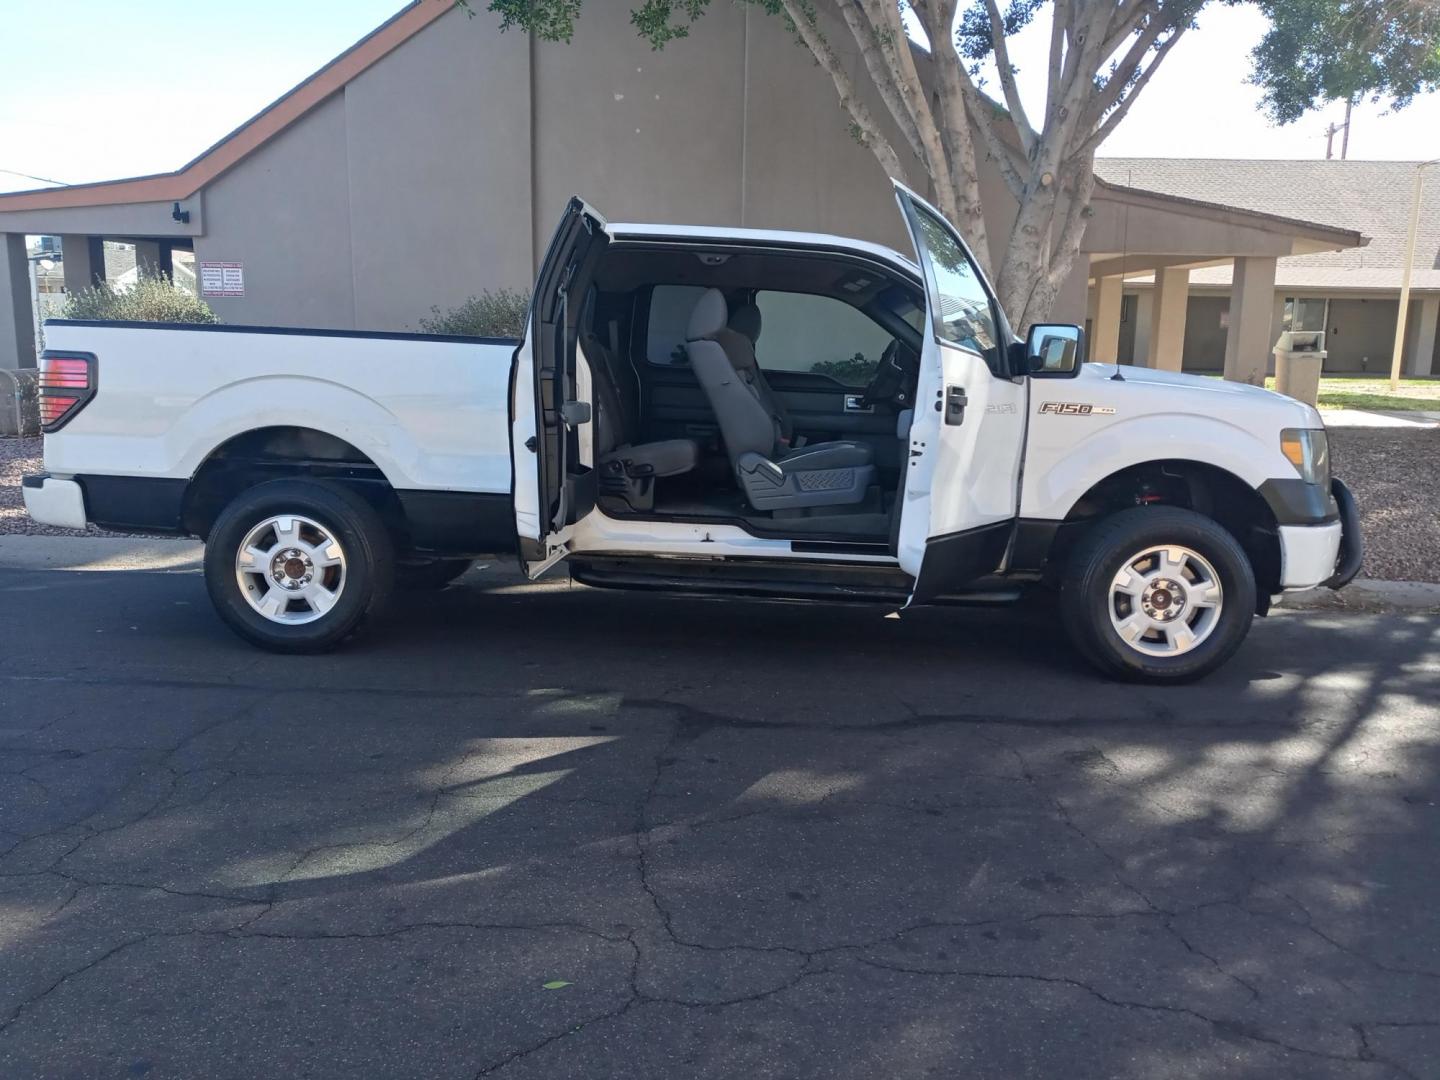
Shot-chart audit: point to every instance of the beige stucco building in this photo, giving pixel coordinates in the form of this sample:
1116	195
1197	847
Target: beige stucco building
430	161
1351	294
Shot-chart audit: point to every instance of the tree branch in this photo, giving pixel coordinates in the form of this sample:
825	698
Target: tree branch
1101	133
868	131
883	77
1007	78
1077	219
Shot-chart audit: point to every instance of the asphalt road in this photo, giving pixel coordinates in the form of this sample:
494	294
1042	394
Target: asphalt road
554	832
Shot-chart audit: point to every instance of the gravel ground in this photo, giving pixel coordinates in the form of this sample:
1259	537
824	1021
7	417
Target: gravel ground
1395	474
17	458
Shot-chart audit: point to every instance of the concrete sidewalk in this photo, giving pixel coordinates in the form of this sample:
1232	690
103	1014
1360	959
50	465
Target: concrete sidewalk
99	553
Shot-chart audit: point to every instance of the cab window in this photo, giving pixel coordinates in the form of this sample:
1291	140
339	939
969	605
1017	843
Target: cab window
819	335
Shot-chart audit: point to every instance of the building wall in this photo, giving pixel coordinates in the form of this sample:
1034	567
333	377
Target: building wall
1206	318
1360	335
440	171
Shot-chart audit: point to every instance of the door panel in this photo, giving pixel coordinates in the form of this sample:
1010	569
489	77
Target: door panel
553	486
963	471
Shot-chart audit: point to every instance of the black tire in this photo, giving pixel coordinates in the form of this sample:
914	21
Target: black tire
430	576
1086	600
369	563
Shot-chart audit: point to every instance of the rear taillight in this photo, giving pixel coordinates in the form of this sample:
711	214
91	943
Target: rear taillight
67	382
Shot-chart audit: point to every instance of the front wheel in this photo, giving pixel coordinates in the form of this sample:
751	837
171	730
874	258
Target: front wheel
298	565
1158	594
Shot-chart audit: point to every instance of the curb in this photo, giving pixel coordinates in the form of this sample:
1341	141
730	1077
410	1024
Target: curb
1370	597
99	553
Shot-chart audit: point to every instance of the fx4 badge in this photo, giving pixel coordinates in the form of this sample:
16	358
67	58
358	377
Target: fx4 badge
1076	408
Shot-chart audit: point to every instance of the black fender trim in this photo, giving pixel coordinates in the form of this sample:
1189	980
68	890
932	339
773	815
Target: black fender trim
144	504
1294	502
1352	542
960	558
459	522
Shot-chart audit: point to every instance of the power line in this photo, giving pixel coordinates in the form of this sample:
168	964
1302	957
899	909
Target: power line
32	176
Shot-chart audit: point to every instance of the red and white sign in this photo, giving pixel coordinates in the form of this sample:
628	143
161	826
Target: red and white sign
222	279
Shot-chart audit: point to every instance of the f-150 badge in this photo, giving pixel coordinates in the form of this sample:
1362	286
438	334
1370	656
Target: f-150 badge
1076	408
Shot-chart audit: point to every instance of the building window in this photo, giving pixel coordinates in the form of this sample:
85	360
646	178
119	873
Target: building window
1305	313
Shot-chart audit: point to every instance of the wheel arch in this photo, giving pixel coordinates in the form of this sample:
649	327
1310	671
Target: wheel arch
1206	488
281	451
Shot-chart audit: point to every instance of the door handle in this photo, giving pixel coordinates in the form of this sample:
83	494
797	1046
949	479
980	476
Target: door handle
955	402
856	403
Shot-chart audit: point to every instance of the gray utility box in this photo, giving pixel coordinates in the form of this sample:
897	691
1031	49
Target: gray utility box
1299	357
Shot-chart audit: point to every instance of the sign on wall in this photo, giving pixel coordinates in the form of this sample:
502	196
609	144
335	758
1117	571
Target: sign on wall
222	279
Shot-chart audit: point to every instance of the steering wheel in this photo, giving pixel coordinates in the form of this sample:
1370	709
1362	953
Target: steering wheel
888	382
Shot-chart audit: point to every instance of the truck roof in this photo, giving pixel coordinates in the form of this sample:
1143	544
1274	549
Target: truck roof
721	233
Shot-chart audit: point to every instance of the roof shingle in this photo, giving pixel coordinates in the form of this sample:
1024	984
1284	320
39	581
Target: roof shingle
1372	197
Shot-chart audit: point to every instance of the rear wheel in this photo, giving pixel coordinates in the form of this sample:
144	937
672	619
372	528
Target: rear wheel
1158	594
298	565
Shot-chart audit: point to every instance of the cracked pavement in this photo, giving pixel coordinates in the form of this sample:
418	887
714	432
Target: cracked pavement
749	839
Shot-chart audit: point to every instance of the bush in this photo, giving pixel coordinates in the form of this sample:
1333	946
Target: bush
491	314
153	298
856	371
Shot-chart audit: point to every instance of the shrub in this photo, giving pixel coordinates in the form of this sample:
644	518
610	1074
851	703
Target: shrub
856	371
491	314
153	298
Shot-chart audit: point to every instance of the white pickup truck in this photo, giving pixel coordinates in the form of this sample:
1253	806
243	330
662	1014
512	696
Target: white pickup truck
719	411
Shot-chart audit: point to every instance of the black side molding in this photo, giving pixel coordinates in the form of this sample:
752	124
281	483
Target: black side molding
134	503
459	522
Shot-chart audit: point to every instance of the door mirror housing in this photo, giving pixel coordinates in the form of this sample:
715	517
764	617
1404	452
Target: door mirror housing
1053	350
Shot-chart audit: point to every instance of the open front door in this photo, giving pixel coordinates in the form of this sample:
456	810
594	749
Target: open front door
553	489
962	477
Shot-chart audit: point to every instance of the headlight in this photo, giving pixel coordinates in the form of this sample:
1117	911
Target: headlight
1308	450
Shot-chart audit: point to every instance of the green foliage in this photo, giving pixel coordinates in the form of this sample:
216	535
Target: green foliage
153	298
491	314
658	22
1337	50
853	371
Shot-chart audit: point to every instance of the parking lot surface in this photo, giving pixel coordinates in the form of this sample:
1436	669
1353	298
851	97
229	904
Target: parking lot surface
547	831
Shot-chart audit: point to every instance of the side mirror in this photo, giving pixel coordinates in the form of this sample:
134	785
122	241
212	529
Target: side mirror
1052	351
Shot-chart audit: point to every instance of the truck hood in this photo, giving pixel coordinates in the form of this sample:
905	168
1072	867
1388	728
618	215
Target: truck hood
1195	393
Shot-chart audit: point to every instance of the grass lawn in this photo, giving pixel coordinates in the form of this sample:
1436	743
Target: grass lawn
1341	393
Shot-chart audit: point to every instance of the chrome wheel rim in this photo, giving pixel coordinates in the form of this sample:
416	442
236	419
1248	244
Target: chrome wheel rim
290	569
1165	600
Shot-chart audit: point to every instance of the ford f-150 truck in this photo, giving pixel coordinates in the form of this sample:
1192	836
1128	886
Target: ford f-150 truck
720	411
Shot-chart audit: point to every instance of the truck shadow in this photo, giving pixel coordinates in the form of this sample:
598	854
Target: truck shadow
792	832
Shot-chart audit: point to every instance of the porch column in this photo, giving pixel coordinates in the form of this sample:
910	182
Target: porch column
17	319
1423	356
147	257
1167	319
84	261
1105	330
1252	302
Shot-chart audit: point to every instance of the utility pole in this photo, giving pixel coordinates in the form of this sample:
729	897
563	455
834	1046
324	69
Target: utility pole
1332	128
1405	277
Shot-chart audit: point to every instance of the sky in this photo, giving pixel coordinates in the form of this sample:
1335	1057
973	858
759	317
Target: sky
97	90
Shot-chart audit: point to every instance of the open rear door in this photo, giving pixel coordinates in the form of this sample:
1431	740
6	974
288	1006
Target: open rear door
553	489
962	477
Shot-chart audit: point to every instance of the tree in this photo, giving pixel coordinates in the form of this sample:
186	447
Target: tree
1102	55
1340	50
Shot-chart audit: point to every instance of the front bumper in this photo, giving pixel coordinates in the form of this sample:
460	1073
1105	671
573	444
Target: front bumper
1325	553
54	502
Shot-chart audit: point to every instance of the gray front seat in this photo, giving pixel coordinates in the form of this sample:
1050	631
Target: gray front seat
772	476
